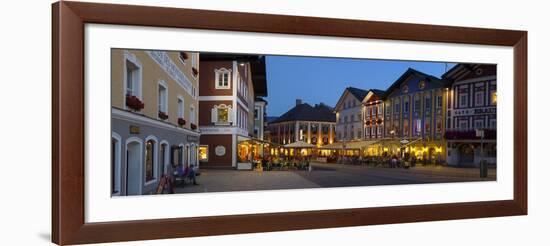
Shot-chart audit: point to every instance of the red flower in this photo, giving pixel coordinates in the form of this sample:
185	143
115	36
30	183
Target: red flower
181	121
379	121
367	122
134	103
183	55
163	115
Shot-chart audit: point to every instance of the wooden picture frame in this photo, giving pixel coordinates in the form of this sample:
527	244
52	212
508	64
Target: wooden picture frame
68	223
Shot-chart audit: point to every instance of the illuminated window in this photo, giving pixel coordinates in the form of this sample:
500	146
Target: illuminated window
493	98
203	153
150	161
221	115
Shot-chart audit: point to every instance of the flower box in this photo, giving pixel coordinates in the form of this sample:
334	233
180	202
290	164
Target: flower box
193	126
195	71
183	55
134	103
181	121
163	115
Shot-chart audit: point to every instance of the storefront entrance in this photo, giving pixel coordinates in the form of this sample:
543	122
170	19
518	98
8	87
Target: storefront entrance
466	154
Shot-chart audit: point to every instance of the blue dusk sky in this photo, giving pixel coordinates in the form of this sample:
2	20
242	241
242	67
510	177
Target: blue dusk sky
316	80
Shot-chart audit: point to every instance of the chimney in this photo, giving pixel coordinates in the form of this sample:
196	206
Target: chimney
298	102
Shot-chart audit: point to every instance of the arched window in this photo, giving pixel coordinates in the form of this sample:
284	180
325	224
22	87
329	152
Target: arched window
223	78
151	165
115	164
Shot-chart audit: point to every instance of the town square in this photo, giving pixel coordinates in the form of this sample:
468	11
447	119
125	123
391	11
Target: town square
188	122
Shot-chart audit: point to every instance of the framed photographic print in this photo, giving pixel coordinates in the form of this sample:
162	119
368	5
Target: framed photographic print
177	123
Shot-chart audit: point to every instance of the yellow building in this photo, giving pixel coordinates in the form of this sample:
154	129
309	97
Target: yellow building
154	118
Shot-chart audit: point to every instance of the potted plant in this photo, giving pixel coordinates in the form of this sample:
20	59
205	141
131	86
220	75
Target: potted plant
195	71
163	115
193	126
181	121
134	103
184	55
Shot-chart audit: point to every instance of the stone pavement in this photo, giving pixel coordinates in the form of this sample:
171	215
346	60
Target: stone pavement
328	175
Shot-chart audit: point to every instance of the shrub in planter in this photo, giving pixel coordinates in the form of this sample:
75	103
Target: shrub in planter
134	103
163	115
181	121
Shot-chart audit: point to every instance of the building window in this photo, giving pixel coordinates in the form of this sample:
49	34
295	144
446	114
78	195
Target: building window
150	160
351	133
428	103
493	98
223	78
439	102
416	107
194	58
221	115
379	130
405	127
115	164
463	125
463	100
396	108
479	98
203	153
373	131
359	116
379	108
406	107
352	118
180	108
192	115
367	132
256	113
479	124
133	80
346	119
162	97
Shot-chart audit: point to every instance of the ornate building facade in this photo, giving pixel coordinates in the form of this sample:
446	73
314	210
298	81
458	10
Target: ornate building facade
414	120
229	86
153	117
472	106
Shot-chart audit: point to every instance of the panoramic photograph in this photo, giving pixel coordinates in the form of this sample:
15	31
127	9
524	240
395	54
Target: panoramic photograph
192	122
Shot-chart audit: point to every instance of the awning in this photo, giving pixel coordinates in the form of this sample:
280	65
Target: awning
299	144
350	145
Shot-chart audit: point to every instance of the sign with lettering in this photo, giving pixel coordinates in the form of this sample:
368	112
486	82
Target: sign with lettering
134	129
192	138
171	69
475	111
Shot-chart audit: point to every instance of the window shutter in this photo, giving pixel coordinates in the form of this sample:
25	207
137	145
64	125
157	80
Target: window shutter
214	115
231	115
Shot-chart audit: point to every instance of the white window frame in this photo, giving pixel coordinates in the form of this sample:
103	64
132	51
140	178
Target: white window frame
166	156
162	83
192	114
181	108
118	164
482	93
219	74
460	122
214	115
129	57
463	103
478	121
155	160
194	60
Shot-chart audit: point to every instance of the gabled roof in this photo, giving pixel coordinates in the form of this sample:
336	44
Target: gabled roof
360	94
377	92
304	111
418	74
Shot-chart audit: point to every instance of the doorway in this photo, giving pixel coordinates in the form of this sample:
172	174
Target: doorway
133	168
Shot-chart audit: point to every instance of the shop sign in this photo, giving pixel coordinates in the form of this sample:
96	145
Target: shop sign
134	129
192	138
220	150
